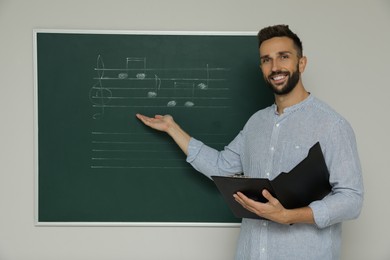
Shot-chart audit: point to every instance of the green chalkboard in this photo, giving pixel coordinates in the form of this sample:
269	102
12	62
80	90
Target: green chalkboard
96	162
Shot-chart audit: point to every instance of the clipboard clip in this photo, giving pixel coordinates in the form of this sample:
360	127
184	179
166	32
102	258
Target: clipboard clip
239	175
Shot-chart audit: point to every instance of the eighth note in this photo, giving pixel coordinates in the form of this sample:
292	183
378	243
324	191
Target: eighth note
157	85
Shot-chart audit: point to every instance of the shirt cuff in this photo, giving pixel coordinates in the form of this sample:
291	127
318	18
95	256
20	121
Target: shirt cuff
320	213
193	149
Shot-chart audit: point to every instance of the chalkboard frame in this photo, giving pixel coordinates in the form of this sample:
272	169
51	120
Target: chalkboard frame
36	130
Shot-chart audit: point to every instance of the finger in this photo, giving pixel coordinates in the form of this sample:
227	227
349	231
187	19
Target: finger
269	197
239	199
245	202
141	117
146	120
241	196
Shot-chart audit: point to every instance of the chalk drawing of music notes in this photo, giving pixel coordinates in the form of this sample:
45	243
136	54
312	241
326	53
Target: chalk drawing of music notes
135	85
99	95
185	90
157	85
135	65
201	87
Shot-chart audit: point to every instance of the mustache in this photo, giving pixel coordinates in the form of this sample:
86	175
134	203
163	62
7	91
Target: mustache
279	72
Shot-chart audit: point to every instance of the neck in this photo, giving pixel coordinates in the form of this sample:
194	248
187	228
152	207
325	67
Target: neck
297	95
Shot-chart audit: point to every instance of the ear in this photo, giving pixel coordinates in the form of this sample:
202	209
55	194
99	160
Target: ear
302	64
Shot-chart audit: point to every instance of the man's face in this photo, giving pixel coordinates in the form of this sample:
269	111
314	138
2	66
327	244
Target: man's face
279	63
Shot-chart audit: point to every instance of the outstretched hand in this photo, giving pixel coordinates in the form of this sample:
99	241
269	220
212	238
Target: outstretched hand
158	122
168	125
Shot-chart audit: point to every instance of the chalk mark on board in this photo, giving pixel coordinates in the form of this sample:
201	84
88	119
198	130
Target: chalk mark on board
99	95
137	86
126	150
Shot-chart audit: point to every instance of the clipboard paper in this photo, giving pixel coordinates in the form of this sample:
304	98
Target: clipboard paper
306	182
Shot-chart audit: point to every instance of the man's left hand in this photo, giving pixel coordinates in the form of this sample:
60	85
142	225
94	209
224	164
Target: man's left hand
272	210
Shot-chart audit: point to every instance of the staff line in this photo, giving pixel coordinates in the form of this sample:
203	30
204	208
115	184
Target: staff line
151	134
148	98
138	151
139	167
125	106
128	159
151	88
163	69
140	142
153	79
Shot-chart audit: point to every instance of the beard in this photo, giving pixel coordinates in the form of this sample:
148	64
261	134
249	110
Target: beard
289	85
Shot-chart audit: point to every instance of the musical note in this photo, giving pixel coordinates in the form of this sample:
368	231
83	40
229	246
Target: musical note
202	86
135	86
123	75
132	86
191	103
132	63
173	103
153	94
99	95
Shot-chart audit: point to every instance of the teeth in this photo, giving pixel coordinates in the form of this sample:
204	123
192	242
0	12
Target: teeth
279	77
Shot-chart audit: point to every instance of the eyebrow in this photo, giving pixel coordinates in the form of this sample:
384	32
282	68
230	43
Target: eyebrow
279	53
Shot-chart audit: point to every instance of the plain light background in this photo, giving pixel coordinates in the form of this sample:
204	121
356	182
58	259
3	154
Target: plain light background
347	44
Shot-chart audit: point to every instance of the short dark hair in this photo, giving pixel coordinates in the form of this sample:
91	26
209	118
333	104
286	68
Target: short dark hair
280	30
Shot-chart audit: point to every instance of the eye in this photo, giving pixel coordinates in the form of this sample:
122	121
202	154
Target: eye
284	57
265	60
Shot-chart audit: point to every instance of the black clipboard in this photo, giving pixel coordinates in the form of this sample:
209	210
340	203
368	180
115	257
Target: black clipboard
306	182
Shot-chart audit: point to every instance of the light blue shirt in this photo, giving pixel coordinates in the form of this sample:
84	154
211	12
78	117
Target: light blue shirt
270	144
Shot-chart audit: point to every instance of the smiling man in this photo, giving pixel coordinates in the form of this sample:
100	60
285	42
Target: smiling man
282	63
275	140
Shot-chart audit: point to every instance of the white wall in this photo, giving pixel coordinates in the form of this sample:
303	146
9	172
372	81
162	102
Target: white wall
347	44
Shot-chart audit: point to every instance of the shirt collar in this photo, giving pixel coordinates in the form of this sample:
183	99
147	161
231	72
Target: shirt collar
293	108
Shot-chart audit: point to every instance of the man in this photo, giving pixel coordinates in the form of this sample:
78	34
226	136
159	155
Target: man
274	140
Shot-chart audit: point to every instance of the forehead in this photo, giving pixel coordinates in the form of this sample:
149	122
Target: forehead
277	45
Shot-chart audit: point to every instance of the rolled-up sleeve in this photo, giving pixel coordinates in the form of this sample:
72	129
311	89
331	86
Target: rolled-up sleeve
346	199
210	161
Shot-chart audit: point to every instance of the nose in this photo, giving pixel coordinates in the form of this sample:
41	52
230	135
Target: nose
275	65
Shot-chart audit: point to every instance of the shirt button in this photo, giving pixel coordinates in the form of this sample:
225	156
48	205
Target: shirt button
267	174
277	125
263	250
264	224
272	148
